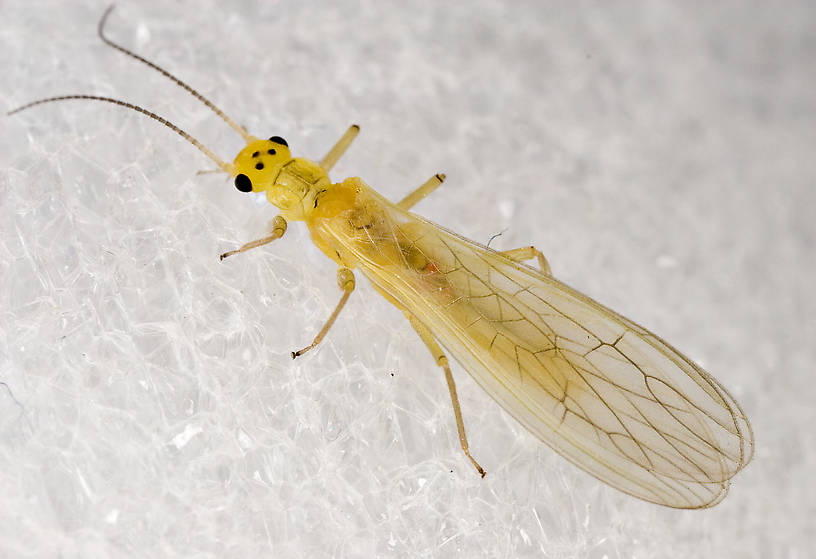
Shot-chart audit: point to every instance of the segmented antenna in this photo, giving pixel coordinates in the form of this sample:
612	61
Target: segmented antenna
204	149
101	31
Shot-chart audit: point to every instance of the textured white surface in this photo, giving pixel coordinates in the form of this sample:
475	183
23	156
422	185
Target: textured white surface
661	155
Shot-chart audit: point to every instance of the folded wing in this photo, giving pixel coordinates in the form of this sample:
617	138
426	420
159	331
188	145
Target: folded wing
607	394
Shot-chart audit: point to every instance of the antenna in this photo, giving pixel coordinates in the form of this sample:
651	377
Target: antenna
235	126
204	149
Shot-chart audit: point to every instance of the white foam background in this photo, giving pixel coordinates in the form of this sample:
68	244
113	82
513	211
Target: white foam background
660	154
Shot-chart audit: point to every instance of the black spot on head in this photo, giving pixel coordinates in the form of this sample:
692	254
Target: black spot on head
256	154
243	183
271	151
259	166
278	140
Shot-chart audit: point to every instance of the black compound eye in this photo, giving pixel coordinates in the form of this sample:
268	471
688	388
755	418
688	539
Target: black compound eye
278	140
243	183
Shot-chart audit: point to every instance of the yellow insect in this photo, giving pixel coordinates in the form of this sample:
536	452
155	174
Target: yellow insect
604	392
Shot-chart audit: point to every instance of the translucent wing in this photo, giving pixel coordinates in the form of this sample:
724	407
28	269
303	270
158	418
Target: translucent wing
606	393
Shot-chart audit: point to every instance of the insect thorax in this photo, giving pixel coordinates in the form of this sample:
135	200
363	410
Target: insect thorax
296	186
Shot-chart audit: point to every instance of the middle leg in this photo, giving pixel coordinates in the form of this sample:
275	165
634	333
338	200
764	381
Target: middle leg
345	281
422	191
528	253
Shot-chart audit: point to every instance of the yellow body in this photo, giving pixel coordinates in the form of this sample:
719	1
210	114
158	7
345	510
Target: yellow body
606	393
348	221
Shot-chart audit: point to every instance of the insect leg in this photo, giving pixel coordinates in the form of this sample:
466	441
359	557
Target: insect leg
339	148
345	281
278	229
442	361
429	186
528	253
